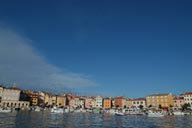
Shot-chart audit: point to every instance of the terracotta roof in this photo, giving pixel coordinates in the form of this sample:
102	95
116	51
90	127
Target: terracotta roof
107	98
14	88
160	94
139	99
119	97
178	98
186	93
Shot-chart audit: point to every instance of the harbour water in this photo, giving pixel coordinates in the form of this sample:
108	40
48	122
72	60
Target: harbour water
90	120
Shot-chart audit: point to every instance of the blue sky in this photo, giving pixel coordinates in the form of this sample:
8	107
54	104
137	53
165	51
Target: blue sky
130	48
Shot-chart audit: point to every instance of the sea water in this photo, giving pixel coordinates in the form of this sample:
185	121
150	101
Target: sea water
90	120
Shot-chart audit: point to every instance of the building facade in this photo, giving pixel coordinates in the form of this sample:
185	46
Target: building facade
11	94
61	101
11	97
119	102
178	101
1	92
187	98
88	102
99	102
138	102
107	103
165	100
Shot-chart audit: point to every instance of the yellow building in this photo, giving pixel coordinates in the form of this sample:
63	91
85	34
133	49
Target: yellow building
47	98
61	101
129	103
107	103
34	99
165	100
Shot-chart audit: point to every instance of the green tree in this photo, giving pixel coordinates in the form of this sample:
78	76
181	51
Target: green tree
141	107
160	107
150	106
185	106
170	106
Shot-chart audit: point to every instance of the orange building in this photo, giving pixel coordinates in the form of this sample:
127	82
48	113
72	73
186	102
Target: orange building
165	100
119	101
107	103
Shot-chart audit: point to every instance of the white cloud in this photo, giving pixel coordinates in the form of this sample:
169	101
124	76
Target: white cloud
22	64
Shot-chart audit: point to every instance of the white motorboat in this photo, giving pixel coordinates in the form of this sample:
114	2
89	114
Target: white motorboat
119	113
5	110
112	111
57	110
37	109
177	113
154	114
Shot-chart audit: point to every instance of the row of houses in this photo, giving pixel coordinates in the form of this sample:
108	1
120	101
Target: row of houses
12	96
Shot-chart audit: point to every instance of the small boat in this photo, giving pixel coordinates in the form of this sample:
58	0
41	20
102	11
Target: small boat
57	110
4	110
119	113
154	114
178	113
37	109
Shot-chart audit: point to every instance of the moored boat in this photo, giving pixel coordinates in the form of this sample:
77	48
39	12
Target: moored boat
119	113
154	114
178	113
5	110
57	110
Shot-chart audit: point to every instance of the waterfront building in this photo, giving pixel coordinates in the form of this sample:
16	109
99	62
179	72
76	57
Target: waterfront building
54	99
61	100
163	100
11	93
41	96
46	98
79	102
31	96
119	102
1	92
11	97
128	103
15	104
107	103
138	102
98	101
88	102
178	101
76	102
187	98
93	102
69	97
72	102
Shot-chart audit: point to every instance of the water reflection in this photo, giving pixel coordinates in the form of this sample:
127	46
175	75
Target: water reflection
87	120
7	120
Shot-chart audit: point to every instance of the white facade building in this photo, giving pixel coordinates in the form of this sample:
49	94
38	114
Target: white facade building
98	101
11	94
139	101
1	92
187	98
